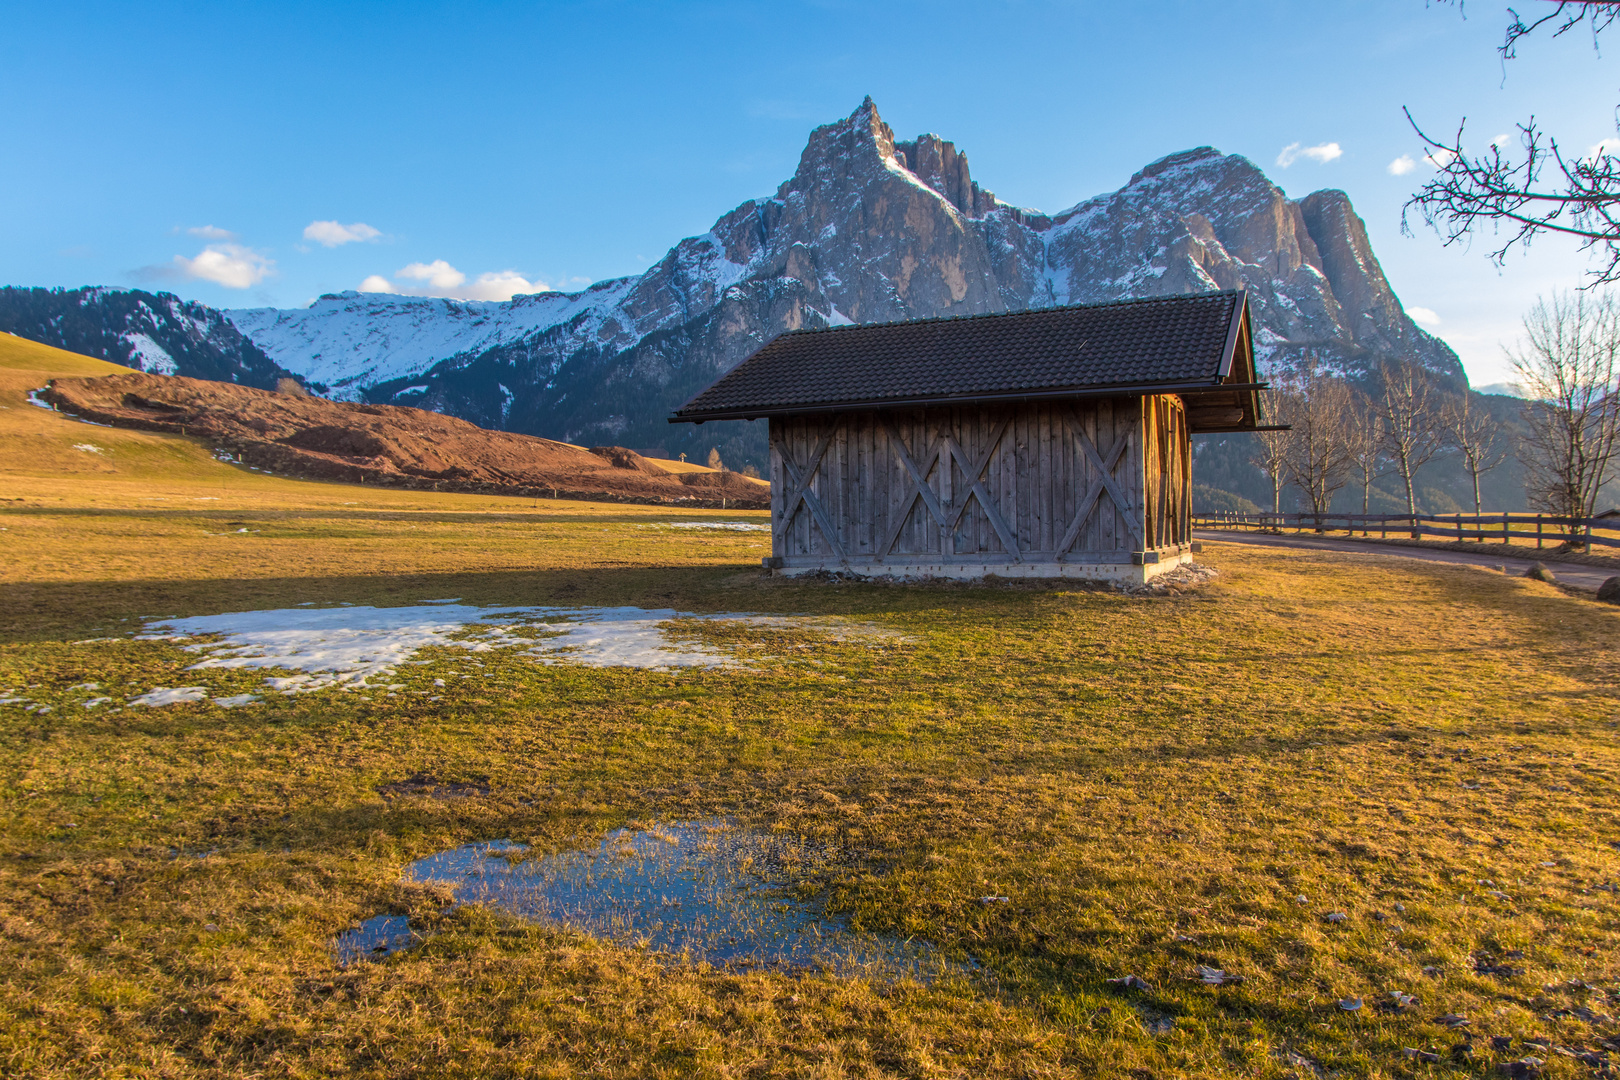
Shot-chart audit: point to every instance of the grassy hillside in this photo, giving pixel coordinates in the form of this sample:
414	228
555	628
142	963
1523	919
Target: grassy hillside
47	457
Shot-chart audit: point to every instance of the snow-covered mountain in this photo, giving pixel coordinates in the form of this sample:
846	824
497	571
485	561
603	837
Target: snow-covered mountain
869	229
154	332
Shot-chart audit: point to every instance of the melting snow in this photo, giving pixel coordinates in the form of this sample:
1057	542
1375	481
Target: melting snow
735	526
346	646
164	695
89	448
152	356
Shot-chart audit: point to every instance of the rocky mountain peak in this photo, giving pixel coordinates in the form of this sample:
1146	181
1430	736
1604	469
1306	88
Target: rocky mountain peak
1176	161
868	229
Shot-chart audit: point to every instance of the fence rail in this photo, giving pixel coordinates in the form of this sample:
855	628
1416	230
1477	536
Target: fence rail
1480	528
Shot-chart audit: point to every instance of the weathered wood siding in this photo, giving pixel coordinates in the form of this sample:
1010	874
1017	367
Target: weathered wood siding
1040	482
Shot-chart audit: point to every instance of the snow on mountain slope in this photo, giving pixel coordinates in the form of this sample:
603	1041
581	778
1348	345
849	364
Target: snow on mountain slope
867	229
350	341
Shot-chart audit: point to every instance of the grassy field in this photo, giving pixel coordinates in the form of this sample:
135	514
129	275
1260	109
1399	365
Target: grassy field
1153	783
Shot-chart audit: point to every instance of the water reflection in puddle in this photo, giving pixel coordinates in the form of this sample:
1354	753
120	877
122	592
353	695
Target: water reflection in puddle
708	892
374	939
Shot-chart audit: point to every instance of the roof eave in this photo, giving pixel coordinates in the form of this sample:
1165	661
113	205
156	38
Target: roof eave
1011	397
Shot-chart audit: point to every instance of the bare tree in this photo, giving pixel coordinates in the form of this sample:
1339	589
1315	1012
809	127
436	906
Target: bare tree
1271	447
1318	454
1544	190
1411	437
1473	432
1568	367
1366	446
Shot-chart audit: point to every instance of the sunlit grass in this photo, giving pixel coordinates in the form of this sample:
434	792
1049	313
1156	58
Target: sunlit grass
1152	783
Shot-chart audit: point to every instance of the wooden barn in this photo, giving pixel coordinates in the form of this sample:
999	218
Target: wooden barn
1050	443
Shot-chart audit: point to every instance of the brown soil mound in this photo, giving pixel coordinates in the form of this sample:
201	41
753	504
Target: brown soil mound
388	444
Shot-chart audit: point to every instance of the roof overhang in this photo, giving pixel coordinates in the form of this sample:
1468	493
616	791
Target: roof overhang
1229	402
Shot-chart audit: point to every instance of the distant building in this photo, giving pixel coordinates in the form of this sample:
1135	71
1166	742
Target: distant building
1048	443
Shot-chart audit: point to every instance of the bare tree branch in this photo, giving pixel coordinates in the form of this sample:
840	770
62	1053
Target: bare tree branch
1570	370
1542	191
1410	437
1473	432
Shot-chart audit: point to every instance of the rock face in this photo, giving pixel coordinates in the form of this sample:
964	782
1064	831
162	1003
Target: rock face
153	332
868	229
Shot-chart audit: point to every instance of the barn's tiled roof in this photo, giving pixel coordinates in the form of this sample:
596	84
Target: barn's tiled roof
1134	346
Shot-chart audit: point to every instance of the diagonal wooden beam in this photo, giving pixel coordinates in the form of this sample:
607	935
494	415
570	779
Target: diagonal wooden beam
919	476
975	472
1088	501
801	493
1105	473
919	484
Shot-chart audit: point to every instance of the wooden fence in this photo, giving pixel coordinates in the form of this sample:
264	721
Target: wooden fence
1480	528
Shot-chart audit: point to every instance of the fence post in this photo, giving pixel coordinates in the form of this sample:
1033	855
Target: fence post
1459	528
1538	532
1589	536
1505	537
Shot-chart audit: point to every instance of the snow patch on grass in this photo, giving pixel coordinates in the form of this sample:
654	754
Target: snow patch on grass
347	646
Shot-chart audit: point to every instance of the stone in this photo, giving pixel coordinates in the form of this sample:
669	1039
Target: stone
1609	591
1539	572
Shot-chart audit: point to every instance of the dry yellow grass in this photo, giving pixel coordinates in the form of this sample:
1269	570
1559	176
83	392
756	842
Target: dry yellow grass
1153	783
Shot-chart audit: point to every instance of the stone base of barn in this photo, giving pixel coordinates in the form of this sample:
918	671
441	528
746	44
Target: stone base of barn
1151	566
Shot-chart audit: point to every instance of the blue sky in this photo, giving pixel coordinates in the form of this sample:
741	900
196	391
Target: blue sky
192	147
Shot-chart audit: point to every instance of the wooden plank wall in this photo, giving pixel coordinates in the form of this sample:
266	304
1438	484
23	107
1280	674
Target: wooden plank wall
1167	472
985	485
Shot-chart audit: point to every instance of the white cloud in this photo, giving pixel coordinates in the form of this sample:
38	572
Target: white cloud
439	278
502	285
1402	165
1322	153
438	274
212	232
335	234
230	265
1423	315
1440	158
1609	147
1501	141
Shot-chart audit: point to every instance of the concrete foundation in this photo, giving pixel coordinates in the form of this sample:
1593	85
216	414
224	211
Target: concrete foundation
1121	573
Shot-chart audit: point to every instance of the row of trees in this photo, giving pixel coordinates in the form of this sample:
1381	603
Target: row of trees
1568	438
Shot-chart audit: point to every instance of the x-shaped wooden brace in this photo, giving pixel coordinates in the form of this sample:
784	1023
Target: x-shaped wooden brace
800	493
1104	464
919	486
974	470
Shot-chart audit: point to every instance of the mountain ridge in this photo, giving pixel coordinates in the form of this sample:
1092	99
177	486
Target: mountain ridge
867	229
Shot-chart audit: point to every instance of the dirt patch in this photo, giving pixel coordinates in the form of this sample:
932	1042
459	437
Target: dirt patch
429	786
389	445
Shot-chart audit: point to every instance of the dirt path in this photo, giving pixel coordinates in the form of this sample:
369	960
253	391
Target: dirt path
1582	577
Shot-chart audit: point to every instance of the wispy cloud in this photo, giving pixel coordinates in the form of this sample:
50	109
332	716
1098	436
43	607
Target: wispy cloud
1605	148
1321	153
439	278
1423	315
230	265
1440	158
211	232
335	234
1401	165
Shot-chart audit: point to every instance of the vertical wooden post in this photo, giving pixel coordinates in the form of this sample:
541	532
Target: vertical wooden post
1459	528
1505	538
1589	536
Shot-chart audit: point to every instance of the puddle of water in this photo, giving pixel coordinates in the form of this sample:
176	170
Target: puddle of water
347	646
693	892
374	939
